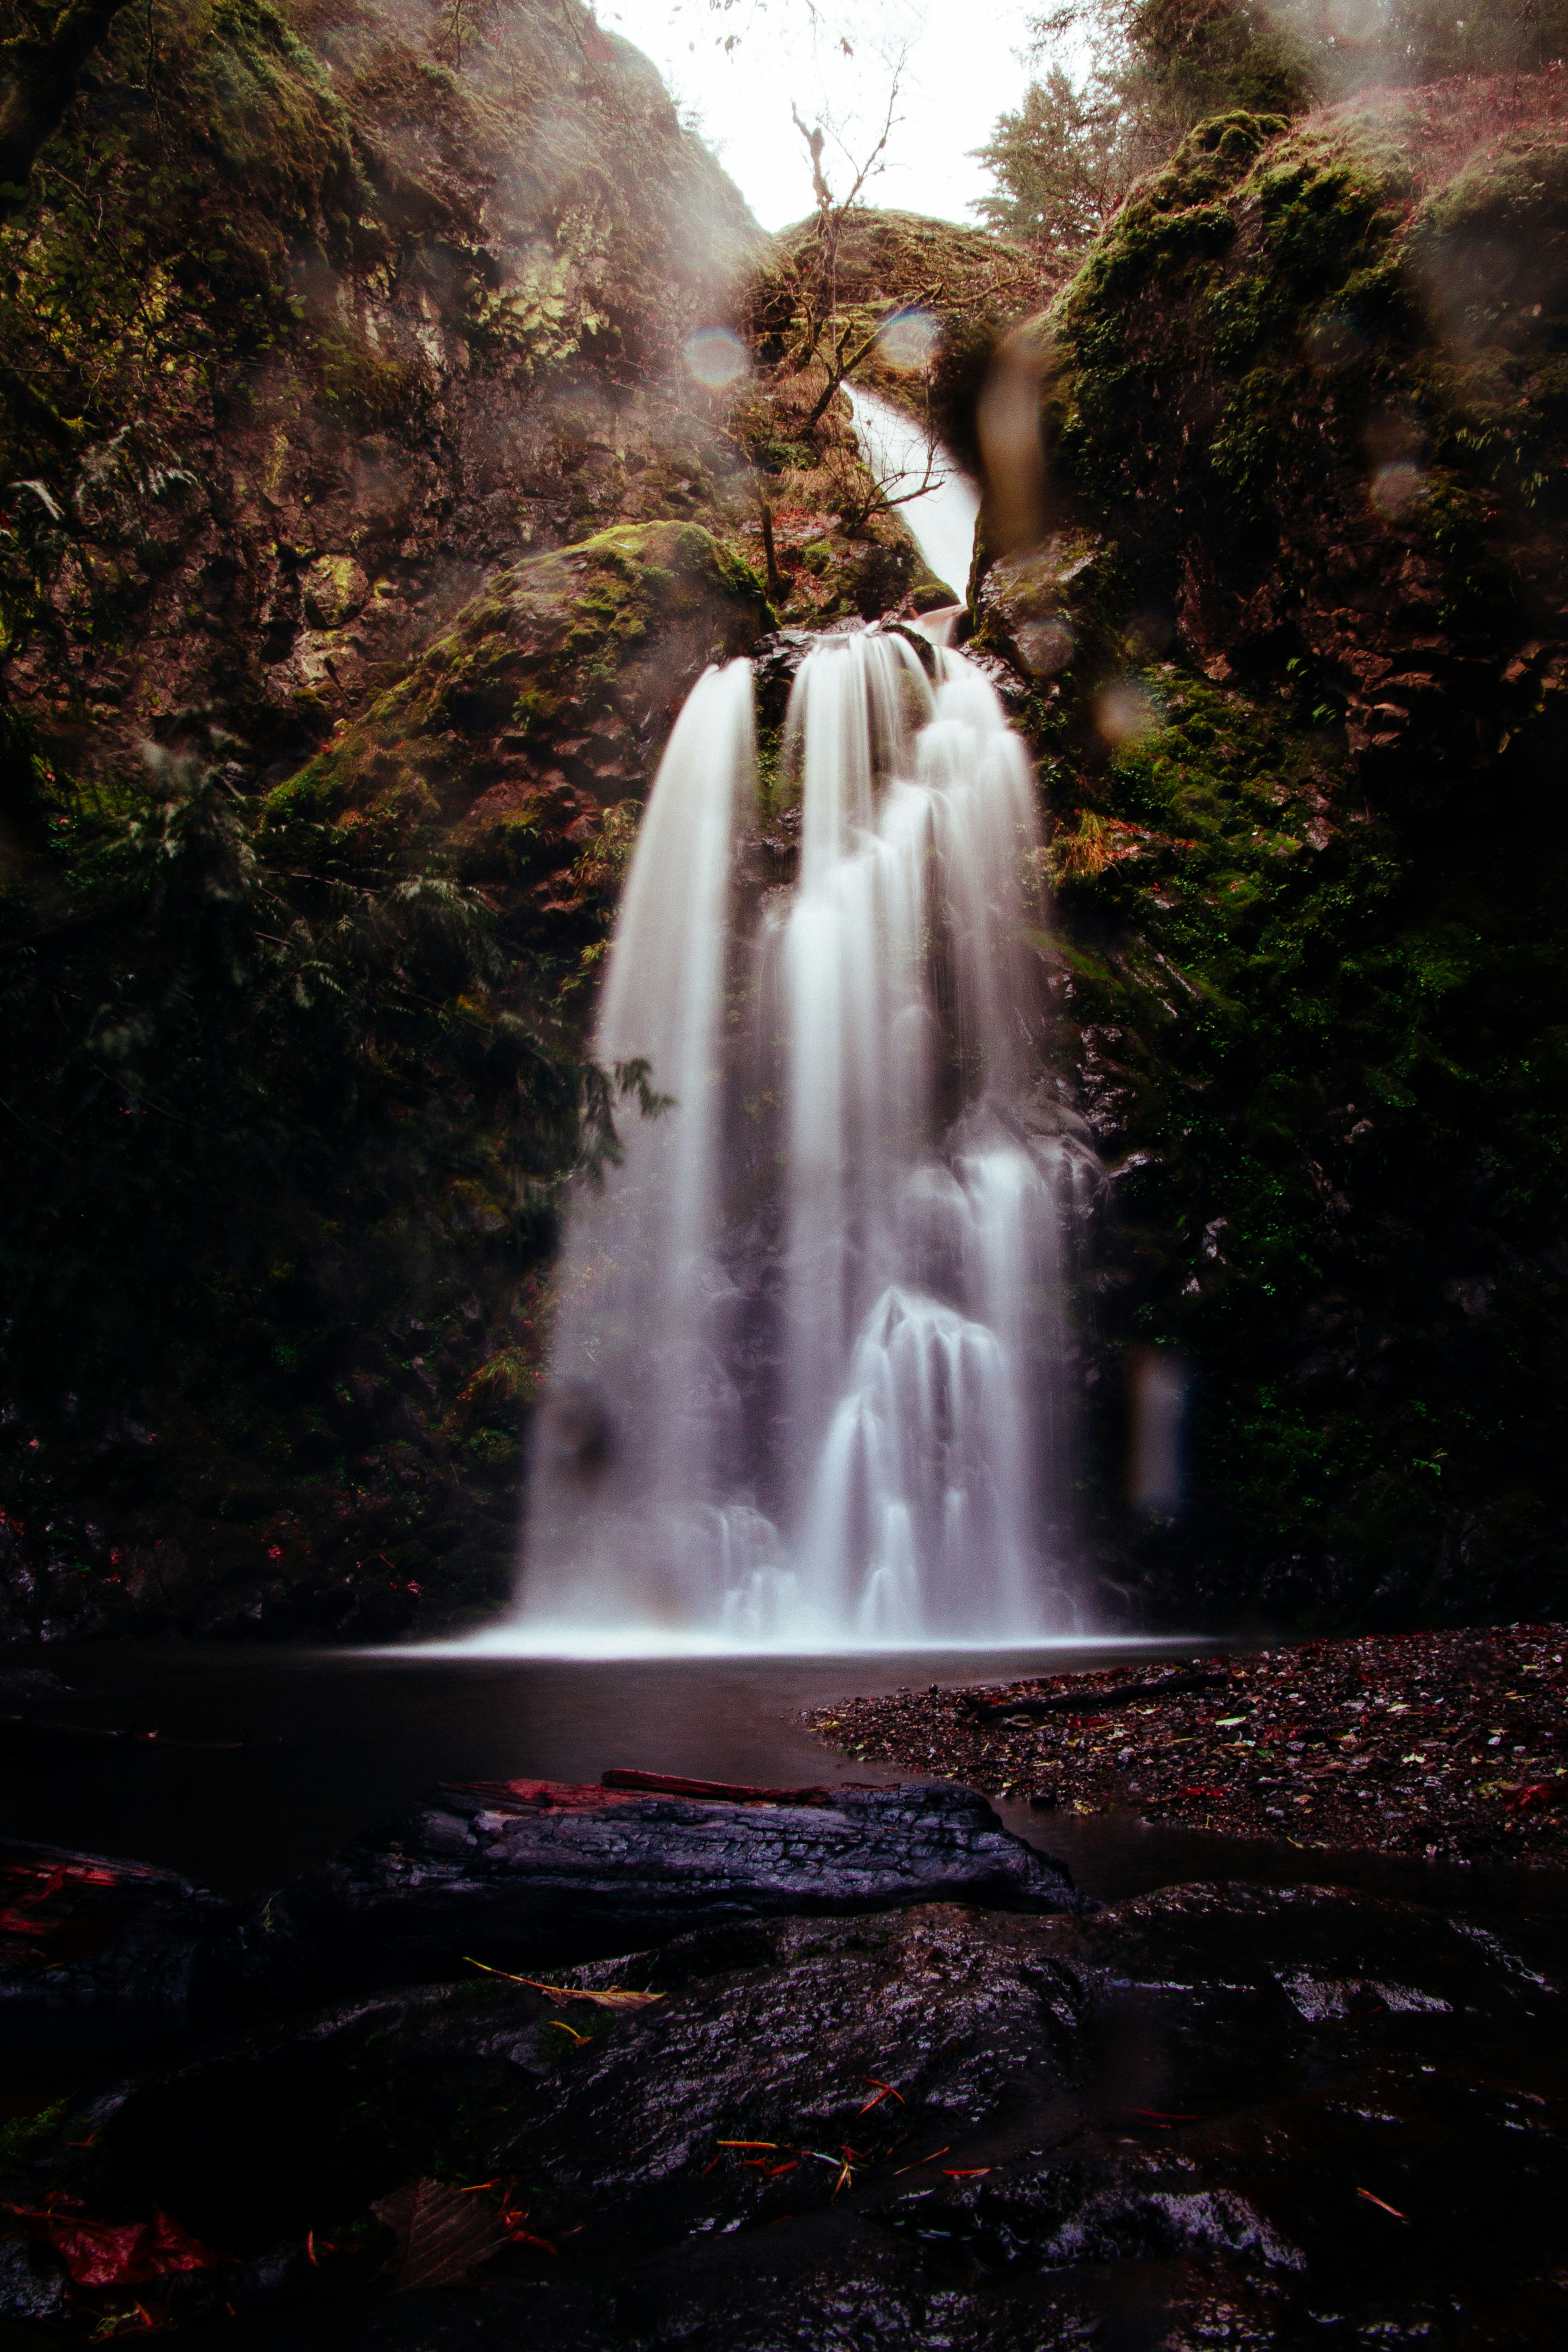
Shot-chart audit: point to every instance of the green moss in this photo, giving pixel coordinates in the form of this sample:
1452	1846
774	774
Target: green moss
555	632
23	2135
1311	1034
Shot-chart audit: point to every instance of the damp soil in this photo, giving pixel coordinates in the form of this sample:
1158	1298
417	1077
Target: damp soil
1446	1747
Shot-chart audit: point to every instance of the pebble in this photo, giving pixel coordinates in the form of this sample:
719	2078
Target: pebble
1449	1744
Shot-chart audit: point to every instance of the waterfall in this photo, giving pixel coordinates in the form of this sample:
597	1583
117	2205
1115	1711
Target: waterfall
807	1382
627	1445
938	502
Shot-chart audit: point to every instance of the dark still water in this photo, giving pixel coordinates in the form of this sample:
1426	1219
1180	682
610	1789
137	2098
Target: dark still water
293	1751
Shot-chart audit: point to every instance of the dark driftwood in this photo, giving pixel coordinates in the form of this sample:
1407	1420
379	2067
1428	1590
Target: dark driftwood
1081	1702
526	1874
734	1793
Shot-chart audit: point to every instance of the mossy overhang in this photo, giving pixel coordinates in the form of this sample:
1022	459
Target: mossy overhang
614	629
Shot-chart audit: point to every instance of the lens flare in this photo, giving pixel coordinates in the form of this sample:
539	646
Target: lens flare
717	357
1046	645
909	340
1396	489
1124	714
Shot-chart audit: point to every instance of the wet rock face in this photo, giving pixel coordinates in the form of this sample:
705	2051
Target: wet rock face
440	281
524	1874
1309	373
1213	2115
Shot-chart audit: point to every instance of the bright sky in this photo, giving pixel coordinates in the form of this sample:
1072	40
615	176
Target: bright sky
961	70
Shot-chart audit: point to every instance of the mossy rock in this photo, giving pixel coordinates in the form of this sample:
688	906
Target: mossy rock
1310	381
1055	608
1301	719
557	684
1324	1072
936	287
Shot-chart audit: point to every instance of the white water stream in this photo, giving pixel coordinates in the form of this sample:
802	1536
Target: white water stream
934	497
808	1374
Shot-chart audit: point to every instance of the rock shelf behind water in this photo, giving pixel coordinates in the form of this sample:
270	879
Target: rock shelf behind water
524	1873
519	1874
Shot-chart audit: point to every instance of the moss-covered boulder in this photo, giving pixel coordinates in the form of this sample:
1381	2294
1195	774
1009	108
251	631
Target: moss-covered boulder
1290	661
1313	381
526	737
313	319
550	694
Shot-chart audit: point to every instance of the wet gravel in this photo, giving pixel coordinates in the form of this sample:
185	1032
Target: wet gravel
1450	1745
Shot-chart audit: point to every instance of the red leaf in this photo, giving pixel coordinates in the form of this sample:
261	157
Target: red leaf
119	2253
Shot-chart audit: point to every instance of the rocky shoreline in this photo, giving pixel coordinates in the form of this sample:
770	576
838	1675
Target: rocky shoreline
1452	1746
941	2100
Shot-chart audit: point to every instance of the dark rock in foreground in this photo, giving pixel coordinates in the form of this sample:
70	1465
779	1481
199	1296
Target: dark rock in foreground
87	1933
1212	2116
526	1873
521	1874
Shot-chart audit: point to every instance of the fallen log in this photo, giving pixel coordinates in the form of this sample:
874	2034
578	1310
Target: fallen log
734	1793
1091	1702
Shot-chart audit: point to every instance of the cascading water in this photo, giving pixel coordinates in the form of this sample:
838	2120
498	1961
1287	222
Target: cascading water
937	501
806	1384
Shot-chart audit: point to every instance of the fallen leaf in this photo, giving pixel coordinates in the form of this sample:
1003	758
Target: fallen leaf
612	1997
442	2235
109	2254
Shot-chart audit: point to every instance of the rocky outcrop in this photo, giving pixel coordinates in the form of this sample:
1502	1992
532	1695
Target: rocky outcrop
534	1873
1291	653
425	287
1307	380
1216	2109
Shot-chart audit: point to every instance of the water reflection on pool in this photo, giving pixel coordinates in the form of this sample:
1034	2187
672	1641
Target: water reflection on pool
295	1751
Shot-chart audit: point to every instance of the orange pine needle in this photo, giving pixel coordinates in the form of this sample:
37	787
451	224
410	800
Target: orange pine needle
1381	2206
924	2159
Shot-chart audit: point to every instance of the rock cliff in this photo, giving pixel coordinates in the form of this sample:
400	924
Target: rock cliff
399	411
1295	657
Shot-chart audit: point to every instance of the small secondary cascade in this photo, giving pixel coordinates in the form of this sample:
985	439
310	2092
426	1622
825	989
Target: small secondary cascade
937	502
807	1387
